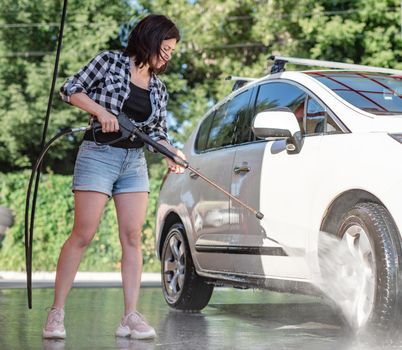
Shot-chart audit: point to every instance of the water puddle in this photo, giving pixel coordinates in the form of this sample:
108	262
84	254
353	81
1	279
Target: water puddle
310	326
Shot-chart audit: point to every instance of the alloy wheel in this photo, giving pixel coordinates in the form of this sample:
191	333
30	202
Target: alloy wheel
174	267
362	272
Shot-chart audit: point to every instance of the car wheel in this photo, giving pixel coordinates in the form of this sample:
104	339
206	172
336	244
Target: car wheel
182	288
371	237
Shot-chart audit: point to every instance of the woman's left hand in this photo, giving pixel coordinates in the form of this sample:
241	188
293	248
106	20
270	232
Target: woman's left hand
173	167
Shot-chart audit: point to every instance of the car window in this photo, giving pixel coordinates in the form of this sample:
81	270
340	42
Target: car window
317	119
373	92
312	116
280	95
221	132
224	130
239	108
203	132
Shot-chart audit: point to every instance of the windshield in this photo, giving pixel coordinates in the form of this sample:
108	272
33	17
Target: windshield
372	92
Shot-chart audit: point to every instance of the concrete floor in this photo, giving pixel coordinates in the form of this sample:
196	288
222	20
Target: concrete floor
234	319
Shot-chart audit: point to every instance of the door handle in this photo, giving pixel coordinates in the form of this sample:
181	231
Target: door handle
241	169
193	175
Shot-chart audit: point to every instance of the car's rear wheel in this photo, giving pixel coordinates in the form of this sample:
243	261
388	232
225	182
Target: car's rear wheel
369	235
182	288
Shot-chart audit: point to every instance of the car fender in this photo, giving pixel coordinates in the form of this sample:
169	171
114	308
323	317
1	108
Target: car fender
374	174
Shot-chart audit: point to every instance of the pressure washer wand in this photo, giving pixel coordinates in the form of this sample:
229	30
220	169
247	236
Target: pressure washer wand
181	162
258	214
129	131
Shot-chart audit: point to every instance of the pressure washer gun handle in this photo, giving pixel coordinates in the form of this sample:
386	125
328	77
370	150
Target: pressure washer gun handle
161	149
96	128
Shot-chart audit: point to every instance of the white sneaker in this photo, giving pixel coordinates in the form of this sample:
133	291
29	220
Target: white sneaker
135	325
54	327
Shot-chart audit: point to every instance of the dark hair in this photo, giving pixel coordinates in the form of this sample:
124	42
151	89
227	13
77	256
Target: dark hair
144	41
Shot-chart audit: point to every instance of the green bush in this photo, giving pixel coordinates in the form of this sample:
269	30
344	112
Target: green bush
53	223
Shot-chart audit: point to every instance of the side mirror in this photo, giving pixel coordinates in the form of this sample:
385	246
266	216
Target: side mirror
277	124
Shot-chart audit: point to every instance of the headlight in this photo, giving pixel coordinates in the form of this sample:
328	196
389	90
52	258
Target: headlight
397	137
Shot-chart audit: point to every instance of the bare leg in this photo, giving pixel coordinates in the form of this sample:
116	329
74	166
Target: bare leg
131	211
87	213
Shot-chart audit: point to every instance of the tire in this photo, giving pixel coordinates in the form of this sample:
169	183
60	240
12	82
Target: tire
368	229
182	288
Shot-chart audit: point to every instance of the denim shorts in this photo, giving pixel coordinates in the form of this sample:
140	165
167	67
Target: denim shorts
110	170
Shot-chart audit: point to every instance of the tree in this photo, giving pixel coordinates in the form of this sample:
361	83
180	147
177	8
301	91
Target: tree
31	27
366	32
219	38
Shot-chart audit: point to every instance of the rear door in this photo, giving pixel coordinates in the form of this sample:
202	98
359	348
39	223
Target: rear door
213	156
212	217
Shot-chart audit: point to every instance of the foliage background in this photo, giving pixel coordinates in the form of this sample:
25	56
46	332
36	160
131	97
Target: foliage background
219	38
53	223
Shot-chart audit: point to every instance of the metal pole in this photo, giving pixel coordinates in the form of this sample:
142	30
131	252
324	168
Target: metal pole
29	225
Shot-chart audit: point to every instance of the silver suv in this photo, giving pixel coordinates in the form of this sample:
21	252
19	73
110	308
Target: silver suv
314	151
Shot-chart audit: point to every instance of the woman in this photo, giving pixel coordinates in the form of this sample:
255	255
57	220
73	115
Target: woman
111	84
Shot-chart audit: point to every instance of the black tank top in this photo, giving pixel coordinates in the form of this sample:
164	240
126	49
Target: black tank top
138	108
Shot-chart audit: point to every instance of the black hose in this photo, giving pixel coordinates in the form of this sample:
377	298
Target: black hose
37	168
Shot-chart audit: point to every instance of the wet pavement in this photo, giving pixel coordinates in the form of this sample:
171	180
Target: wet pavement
234	319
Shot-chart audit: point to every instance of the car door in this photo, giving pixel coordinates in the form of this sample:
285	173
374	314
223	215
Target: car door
280	185
213	156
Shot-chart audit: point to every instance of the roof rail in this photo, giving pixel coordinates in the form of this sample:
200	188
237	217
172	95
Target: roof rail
280	62
239	81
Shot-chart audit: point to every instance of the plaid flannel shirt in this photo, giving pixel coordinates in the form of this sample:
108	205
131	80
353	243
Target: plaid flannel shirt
106	80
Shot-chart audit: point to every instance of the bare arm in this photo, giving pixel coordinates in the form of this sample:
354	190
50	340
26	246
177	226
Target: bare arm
108	120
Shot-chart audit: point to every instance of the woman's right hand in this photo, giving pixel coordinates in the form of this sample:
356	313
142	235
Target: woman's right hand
108	121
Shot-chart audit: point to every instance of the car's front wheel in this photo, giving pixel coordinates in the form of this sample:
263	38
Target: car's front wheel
371	277
182	288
